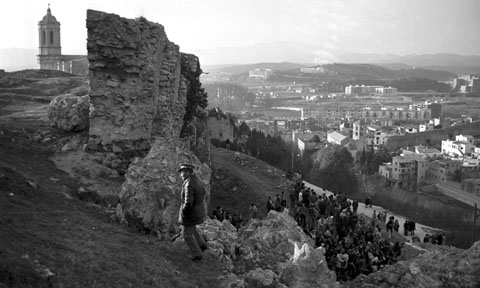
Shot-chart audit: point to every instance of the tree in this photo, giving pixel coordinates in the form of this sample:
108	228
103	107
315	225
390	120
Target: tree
333	170
316	138
197	101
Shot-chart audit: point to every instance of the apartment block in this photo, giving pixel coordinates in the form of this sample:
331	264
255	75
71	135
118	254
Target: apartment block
442	170
462	146
404	171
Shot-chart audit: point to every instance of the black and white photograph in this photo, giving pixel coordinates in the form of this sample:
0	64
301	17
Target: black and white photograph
239	143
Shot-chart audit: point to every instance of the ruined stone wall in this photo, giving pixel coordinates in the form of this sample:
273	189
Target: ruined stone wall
138	83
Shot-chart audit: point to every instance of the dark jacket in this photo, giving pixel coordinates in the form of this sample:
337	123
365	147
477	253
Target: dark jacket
192	208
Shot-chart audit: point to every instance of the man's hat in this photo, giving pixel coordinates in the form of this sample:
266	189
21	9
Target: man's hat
186	167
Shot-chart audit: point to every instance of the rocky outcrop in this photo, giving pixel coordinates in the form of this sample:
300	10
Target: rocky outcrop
138	83
222	240
69	112
307	268
150	196
440	267
260	278
274	236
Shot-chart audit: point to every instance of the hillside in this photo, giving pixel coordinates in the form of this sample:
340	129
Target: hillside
240	69
336	76
51	238
340	72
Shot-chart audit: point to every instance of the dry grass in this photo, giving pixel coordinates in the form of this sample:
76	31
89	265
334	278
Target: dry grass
41	228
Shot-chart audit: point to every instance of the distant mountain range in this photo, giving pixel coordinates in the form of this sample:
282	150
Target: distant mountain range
340	70
314	55
287	53
458	64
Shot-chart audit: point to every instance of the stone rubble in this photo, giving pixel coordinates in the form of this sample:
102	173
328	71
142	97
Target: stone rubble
441	266
69	112
267	242
260	278
306	269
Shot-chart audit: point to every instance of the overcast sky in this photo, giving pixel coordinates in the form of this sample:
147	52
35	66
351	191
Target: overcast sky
365	26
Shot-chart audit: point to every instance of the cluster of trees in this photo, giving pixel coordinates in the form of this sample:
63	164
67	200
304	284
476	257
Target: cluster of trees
197	102
371	160
272	150
332	169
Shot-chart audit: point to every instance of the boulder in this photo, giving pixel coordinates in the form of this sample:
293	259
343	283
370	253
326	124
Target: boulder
150	195
69	112
273	236
219	235
260	278
306	269
231	281
441	266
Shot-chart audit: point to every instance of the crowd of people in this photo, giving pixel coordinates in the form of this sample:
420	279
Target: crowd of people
236	219
352	243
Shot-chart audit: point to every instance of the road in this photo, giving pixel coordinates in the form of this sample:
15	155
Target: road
420	231
255	174
454	190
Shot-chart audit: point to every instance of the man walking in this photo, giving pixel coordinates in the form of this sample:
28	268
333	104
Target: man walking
192	210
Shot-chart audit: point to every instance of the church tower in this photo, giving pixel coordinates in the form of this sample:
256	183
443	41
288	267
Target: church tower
50	50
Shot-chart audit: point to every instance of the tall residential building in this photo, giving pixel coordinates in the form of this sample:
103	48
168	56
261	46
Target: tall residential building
404	171
359	127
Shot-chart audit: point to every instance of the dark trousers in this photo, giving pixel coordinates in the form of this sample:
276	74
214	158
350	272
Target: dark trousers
194	240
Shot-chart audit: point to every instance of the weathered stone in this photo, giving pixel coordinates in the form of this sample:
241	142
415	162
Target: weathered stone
260	278
275	235
148	196
221	238
231	281
307	268
69	112
138	80
441	266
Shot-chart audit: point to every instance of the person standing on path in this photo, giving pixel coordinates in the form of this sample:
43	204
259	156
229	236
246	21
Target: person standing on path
192	210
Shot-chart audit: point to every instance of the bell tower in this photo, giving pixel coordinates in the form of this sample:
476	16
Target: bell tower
49	40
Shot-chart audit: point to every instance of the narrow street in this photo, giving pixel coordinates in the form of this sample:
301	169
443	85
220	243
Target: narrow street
420	231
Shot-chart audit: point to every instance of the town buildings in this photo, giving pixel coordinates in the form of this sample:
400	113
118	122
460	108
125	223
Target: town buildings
362	90
462	146
313	70
377	113
442	170
260	73
337	138
404	171
467	84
